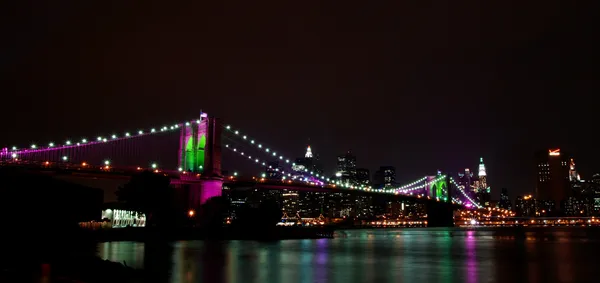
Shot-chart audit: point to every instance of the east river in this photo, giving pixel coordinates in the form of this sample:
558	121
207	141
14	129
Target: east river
377	255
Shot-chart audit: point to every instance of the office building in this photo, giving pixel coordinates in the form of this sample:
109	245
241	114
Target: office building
385	176
504	200
525	206
346	168
483	194
465	180
363	176
304	166
553	183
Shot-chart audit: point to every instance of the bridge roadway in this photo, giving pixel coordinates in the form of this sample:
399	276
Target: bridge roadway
234	183
110	178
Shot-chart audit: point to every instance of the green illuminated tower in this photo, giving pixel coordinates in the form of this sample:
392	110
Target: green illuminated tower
192	146
200	147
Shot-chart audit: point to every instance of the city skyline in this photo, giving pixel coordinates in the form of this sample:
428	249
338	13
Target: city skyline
395	89
314	141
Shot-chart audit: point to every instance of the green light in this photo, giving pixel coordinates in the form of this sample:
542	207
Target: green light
154	165
263	175
234	173
64	158
106	162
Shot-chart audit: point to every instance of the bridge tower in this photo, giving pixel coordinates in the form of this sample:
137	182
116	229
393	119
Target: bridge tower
441	214
200	152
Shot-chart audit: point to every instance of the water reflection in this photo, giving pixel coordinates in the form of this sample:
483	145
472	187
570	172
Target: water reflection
413	255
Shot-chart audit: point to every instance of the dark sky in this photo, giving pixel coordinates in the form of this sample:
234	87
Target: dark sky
420	85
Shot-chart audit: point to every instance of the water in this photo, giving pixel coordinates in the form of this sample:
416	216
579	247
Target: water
403	255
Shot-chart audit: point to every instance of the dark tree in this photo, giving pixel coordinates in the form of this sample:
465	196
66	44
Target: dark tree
149	193
263	216
213	212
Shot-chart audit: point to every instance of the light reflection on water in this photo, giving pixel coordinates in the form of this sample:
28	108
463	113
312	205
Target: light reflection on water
411	255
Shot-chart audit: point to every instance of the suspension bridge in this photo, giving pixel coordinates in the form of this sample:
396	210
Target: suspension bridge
189	152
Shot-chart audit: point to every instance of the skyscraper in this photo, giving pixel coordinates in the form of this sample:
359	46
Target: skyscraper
505	200
573	175
346	167
385	176
483	191
309	163
308	153
553	176
465	180
483	186
362	176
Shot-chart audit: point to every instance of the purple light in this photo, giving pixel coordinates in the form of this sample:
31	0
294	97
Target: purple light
468	205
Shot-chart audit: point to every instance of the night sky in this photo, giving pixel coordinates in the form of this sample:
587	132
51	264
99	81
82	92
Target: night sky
421	85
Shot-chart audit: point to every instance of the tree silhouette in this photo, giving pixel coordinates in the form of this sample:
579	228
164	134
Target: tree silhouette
149	193
213	212
264	216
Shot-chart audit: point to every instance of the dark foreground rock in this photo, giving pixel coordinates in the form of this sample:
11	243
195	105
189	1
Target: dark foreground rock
89	269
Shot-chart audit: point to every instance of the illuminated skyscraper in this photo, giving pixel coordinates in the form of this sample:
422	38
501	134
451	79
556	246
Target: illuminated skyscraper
573	175
346	167
307	164
482	175
465	180
483	191
308	153
385	176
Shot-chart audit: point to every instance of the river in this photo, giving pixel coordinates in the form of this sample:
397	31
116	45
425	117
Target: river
378	255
